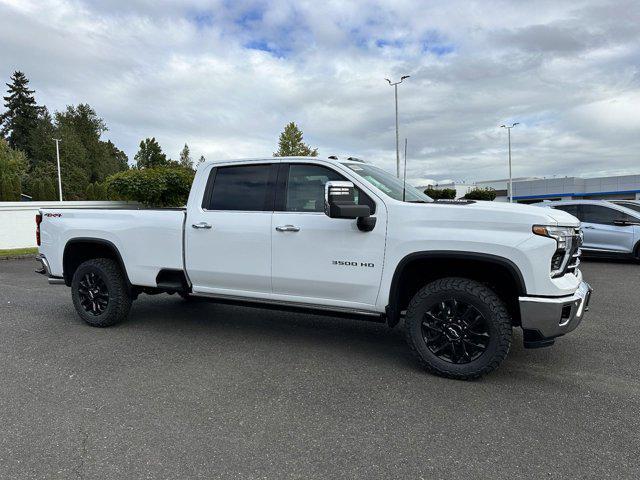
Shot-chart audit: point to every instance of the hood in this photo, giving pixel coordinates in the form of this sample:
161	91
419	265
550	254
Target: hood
496	215
546	215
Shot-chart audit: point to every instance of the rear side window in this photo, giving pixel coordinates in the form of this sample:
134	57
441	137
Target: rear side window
632	206
572	209
603	215
246	187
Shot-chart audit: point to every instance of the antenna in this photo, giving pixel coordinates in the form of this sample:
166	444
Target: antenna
404	177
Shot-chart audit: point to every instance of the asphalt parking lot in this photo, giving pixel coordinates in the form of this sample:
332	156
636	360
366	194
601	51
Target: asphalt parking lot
197	390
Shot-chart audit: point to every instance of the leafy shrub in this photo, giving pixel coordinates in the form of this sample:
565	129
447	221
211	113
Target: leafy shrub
446	193
481	194
158	187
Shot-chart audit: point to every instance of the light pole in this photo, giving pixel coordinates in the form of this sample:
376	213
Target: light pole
395	87
58	140
510	177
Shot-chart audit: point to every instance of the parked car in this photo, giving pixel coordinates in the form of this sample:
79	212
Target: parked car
338	237
609	228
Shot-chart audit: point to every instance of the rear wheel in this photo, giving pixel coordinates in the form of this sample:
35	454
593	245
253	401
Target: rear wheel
99	292
458	328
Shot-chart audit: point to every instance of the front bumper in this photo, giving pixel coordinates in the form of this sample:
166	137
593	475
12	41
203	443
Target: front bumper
543	319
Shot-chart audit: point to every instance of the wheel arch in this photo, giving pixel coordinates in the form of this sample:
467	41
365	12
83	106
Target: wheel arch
419	268
81	249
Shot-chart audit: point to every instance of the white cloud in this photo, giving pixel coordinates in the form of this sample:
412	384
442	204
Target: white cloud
226	76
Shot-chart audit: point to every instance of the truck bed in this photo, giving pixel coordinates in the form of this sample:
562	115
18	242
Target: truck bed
148	239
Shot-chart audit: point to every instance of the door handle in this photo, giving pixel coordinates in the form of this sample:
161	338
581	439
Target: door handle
287	228
589	227
201	225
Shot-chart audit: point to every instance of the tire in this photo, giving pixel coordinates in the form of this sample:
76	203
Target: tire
458	328
93	280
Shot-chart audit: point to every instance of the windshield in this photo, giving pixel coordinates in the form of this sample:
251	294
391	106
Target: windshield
387	183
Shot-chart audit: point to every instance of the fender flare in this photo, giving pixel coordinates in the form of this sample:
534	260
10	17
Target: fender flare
97	241
394	293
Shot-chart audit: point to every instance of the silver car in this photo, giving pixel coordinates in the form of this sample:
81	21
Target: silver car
609	228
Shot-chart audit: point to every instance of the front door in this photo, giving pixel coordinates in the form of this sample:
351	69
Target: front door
228	237
600	231
317	259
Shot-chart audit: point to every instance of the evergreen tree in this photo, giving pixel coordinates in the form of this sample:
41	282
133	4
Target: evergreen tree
17	188
42	149
6	189
40	191
185	158
291	143
100	191
119	159
17	122
150	154
201	160
48	190
90	193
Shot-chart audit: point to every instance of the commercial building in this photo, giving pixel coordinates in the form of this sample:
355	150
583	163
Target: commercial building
534	189
622	187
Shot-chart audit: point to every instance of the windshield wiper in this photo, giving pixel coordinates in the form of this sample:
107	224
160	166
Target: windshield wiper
417	201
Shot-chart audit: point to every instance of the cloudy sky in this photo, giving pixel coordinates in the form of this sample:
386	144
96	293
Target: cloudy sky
225	76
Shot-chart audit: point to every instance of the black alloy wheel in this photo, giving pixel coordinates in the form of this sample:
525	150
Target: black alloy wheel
93	293
455	331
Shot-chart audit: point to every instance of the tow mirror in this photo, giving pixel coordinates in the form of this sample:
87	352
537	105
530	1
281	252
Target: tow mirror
339	202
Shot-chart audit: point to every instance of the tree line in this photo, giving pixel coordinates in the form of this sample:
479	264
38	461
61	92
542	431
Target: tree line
92	168
28	151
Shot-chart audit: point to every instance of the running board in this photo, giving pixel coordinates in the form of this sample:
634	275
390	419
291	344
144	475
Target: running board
313	309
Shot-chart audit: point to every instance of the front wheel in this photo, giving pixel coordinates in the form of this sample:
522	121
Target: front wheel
100	294
458	328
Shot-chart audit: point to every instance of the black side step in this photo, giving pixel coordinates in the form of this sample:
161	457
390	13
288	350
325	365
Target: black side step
172	280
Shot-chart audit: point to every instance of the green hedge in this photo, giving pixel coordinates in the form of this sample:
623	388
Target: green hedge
157	187
445	193
481	194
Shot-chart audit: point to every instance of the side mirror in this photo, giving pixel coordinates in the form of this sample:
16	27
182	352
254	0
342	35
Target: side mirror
624	223
339	202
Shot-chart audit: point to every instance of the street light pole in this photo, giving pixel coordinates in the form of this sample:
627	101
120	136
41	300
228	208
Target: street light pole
395	88
510	176
57	140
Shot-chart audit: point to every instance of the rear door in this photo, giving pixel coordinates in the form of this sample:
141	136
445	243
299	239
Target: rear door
317	259
228	236
600	231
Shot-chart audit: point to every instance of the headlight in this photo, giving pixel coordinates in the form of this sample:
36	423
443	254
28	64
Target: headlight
568	240
560	234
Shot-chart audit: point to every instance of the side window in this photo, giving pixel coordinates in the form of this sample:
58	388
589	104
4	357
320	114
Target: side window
572	209
305	188
602	215
245	187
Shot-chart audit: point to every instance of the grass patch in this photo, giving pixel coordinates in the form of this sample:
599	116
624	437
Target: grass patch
18	251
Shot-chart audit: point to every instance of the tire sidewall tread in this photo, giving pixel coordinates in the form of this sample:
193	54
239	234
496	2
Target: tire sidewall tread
119	298
489	304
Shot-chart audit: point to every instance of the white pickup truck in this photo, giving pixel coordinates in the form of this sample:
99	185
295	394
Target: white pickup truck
340	237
